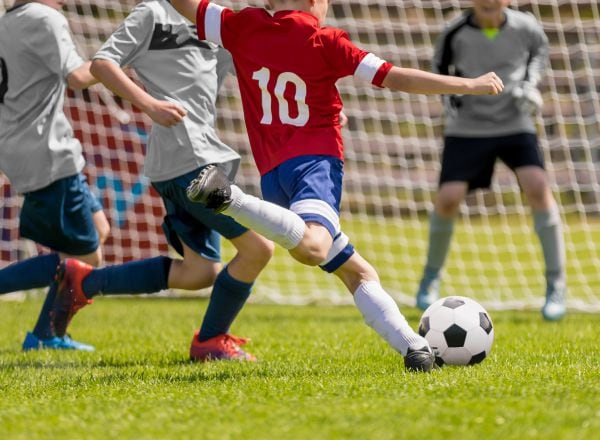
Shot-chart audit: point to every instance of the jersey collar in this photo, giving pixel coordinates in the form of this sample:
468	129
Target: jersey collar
283	14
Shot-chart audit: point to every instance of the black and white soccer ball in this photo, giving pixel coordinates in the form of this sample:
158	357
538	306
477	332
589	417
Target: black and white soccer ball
458	329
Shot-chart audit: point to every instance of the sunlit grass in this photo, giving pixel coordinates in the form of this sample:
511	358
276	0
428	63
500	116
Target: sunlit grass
322	374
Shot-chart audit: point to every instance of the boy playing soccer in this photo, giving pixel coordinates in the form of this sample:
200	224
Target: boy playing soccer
42	158
182	76
287	66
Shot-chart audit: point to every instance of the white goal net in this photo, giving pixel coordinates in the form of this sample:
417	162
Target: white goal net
393	145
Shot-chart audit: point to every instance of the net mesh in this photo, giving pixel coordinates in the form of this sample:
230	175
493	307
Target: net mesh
392	163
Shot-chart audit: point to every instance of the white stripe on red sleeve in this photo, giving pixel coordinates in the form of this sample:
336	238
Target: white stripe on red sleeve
369	67
212	23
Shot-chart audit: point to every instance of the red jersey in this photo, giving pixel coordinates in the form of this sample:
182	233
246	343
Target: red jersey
287	67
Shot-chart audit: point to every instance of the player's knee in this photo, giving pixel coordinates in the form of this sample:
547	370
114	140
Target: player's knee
309	255
263	251
449	197
447	205
314	247
254	250
540	197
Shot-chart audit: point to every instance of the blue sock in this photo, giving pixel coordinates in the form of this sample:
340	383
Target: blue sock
43	327
29	274
143	276
226	300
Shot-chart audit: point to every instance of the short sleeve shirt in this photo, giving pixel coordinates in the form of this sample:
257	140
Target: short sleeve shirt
174	65
287	67
37	53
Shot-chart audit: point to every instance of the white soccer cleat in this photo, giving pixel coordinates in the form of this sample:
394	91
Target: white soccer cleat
554	308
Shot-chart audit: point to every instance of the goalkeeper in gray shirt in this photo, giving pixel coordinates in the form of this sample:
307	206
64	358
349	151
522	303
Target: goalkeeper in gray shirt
481	129
181	76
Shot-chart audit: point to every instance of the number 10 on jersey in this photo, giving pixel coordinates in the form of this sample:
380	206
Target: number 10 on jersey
262	76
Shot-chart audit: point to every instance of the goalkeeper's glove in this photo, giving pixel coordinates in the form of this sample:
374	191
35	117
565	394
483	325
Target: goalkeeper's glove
528	98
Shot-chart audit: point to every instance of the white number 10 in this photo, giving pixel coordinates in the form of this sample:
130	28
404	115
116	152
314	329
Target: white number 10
262	76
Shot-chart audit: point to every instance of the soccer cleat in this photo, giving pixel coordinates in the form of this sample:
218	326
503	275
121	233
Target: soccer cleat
32	342
554	308
223	347
212	187
428	293
69	297
421	359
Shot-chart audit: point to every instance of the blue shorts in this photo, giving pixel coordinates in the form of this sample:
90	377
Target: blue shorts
472	160
310	186
60	216
194	224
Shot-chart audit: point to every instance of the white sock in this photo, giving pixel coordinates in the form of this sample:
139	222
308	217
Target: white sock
281	225
382	314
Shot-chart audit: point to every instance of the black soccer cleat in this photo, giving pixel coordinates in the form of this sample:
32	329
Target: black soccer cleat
212	187
421	359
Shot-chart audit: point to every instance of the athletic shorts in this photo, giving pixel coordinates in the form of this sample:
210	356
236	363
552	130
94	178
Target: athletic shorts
60	216
472	160
194	224
310	186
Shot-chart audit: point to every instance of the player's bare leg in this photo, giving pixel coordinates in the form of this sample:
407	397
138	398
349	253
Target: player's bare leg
312	244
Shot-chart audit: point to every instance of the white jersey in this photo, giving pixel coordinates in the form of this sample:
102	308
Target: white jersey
163	48
37	54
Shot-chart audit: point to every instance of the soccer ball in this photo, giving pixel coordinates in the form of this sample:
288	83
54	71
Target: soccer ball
458	329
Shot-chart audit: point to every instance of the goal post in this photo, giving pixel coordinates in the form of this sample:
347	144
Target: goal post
393	147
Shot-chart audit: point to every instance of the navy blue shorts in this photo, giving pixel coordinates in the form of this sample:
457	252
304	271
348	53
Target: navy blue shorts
310	186
472	160
60	216
194	224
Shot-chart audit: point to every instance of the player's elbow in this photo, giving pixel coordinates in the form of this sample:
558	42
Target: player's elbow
81	78
98	68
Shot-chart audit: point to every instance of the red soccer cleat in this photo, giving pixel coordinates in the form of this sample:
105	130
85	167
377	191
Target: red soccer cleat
225	347
70	297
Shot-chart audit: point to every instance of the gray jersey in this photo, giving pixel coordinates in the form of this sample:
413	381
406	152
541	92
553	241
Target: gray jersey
518	53
37	54
174	65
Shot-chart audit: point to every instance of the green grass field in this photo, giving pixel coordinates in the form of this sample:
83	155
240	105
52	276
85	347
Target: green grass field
322	375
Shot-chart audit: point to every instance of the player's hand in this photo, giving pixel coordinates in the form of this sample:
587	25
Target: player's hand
488	84
166	113
528	98
343	119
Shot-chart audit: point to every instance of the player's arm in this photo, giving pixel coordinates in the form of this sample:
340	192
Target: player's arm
526	93
348	59
115	79
538	56
187	8
420	81
81	78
